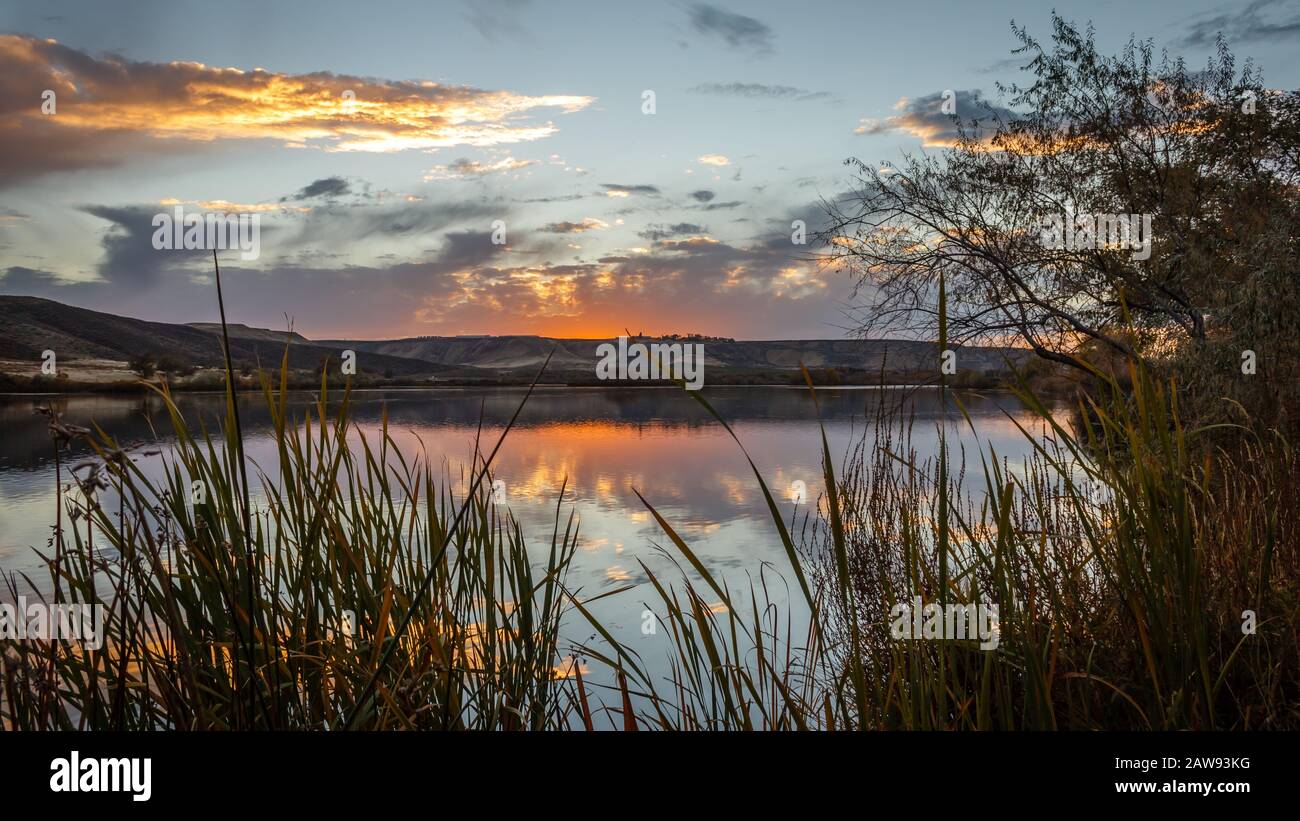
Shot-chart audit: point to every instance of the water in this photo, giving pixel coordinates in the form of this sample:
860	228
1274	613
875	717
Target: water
605	442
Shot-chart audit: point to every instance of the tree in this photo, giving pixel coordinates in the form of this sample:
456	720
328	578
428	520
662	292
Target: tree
143	364
1211	157
173	365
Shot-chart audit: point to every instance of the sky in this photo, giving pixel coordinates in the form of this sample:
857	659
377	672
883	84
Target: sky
496	167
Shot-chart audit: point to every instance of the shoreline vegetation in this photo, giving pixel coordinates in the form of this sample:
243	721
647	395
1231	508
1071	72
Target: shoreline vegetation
212	381
1123	559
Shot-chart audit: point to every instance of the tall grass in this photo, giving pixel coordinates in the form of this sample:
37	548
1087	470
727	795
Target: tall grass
1121	567
364	593
346	535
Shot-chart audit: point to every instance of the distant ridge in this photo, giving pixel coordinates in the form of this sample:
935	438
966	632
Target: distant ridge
33	325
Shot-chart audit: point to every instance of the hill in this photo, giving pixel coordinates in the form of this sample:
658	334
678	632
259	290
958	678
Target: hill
35	325
238	330
104	344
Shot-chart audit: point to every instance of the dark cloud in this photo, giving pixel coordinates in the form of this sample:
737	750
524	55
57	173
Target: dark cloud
1247	25
1005	65
615	189
130	262
756	91
660	232
720	206
348	300
333	225
736	30
17	279
565	227
327	187
468	249
560	198
924	117
778	230
703	195
698	246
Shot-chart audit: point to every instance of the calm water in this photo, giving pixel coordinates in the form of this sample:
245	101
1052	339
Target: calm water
605	442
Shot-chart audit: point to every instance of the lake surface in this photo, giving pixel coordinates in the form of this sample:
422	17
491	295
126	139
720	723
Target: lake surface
604	441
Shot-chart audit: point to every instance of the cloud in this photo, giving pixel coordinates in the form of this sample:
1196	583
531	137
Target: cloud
694	245
343	299
655	233
130	265
556	198
759	91
720	206
713	159
468	249
587	224
18	279
327	187
109	109
703	195
130	262
468	284
617	190
924	117
1006	65
493	18
465	167
1247	25
736	30
405	219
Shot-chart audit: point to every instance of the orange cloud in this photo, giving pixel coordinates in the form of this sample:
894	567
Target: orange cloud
106	106
935	118
227	207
